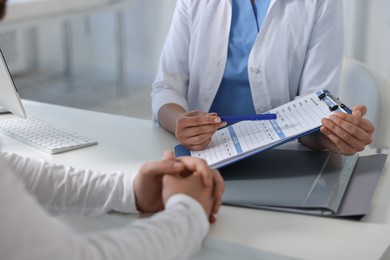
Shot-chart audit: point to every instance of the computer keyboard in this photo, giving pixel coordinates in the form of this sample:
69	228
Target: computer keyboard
43	136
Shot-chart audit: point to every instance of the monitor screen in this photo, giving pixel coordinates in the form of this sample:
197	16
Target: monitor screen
9	97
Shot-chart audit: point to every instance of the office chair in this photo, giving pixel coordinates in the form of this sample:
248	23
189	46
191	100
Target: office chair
360	85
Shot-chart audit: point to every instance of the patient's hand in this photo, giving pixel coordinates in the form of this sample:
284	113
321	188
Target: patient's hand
191	185
148	184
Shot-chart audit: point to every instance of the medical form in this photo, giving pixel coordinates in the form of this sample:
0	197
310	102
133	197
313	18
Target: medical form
294	119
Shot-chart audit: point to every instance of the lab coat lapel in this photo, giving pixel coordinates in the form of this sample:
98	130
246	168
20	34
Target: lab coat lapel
218	35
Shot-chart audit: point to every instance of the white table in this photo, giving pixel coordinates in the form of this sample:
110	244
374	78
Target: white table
126	143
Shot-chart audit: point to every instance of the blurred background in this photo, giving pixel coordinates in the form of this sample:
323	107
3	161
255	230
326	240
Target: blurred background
103	54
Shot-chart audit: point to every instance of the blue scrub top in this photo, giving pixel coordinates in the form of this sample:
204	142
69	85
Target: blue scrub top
234	95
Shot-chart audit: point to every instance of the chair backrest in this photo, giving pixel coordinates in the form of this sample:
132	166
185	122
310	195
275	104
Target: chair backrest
359	85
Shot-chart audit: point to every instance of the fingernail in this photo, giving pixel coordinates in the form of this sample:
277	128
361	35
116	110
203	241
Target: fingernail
217	120
357	113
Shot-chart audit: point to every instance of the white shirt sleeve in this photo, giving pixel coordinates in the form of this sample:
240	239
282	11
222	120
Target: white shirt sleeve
172	79
74	191
28	232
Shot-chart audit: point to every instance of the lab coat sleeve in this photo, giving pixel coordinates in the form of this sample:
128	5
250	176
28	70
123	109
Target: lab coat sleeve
28	232
171	82
324	54
64	189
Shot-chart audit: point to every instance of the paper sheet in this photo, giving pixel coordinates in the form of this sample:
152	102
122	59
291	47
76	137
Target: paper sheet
293	119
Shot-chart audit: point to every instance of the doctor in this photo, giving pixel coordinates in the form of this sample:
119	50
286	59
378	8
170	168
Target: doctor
236	57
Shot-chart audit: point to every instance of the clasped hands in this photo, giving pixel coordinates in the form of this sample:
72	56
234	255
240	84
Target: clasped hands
157	181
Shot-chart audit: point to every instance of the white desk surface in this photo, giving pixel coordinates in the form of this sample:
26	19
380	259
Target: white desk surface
125	143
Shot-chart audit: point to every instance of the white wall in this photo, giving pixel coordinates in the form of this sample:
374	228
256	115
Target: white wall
367	25
147	25
378	37
367	38
367	28
355	20
94	42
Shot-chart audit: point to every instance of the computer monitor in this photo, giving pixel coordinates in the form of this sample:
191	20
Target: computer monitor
9	97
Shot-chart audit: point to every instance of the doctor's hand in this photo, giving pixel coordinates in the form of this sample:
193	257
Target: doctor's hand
194	129
148	184
347	133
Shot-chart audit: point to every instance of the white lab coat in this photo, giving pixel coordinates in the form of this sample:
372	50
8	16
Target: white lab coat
298	50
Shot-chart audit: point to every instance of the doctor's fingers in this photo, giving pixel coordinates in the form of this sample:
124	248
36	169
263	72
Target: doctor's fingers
359	110
344	120
338	145
197	143
346	130
198	130
197	113
195	136
190	119
346	142
328	143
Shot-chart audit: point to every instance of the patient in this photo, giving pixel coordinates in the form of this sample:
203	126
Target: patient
28	186
184	193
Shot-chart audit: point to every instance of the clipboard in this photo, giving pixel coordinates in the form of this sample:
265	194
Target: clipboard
295	119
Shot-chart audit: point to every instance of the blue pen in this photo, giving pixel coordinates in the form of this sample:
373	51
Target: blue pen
231	119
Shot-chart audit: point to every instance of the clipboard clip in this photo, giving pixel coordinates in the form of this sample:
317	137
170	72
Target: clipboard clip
332	102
